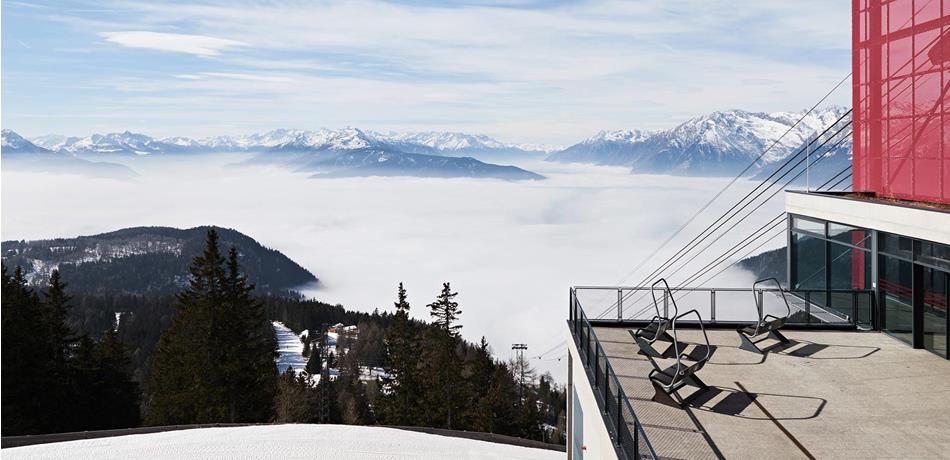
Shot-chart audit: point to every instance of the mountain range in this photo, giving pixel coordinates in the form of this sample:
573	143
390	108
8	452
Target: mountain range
349	152
720	143
19	154
144	260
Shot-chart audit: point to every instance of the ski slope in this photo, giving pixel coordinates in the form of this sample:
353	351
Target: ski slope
289	349
338	442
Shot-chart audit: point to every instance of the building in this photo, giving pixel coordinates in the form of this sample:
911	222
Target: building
892	234
863	370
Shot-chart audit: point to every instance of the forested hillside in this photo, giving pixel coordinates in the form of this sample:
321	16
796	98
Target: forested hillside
205	353
152	260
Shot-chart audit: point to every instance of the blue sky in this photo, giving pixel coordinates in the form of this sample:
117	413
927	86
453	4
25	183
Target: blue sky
521	71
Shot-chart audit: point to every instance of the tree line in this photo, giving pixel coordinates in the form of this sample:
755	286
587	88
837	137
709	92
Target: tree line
207	355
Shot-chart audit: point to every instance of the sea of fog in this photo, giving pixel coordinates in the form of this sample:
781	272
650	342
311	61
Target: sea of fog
510	249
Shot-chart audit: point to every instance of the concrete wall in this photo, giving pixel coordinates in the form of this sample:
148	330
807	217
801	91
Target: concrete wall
585	415
930	225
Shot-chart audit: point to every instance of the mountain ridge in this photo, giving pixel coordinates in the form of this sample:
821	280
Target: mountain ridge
722	142
140	260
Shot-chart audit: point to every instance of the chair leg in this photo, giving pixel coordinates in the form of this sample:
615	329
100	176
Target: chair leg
747	344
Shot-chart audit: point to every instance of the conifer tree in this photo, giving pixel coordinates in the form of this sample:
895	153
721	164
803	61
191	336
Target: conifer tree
23	376
252	349
216	361
444	365
399	403
445	312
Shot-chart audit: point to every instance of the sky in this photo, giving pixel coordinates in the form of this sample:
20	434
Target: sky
532	71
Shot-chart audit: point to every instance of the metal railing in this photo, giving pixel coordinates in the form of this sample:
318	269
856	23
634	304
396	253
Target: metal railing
810	307
621	421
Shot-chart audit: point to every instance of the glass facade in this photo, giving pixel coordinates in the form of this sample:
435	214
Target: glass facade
901	78
827	257
912	278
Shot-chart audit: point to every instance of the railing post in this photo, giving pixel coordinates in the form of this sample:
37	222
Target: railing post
808	307
854	308
619	415
596	365
761	304
636	439
712	305
619	304
666	305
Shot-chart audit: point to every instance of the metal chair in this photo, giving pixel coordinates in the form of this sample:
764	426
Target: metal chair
767	325
667	382
656	329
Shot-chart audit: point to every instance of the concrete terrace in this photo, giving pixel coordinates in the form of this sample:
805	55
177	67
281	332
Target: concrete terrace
827	394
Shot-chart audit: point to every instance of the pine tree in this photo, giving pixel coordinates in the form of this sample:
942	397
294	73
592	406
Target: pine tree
253	349
291	404
445	312
216	361
400	387
444	366
55	310
23	377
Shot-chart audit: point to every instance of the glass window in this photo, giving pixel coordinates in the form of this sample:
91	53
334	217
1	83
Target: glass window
935	311
894	245
850	269
897	297
849	235
937	255
808	253
808	225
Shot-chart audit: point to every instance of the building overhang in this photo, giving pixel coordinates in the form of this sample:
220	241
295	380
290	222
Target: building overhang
910	221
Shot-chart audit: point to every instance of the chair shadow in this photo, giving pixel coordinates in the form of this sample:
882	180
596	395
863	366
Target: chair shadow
737	401
810	350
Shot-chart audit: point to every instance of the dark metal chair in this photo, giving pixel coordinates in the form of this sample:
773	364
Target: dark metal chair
656	329
666	382
767	325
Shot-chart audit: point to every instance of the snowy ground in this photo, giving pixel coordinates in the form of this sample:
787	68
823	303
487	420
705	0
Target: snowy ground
290	349
281	441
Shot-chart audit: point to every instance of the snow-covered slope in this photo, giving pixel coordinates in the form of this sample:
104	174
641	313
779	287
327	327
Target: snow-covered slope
289	349
347	152
11	142
717	143
349	138
20	154
338	442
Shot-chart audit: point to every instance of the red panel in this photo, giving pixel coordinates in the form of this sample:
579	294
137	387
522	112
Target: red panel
901	78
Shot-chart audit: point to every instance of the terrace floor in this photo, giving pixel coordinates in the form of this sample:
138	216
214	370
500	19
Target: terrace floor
827	394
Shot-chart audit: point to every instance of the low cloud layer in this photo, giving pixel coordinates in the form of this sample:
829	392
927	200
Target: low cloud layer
511	249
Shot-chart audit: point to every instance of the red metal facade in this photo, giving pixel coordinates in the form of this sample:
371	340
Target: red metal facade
901	63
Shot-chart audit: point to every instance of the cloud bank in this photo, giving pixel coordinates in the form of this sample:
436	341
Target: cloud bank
511	250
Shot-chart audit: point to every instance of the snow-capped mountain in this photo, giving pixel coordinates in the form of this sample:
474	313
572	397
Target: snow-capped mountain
718	143
345	152
22	155
349	138
11	142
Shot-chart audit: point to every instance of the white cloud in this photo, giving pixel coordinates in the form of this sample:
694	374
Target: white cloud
199	45
510	249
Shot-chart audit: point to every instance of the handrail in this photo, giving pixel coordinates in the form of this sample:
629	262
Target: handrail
818	307
579	324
